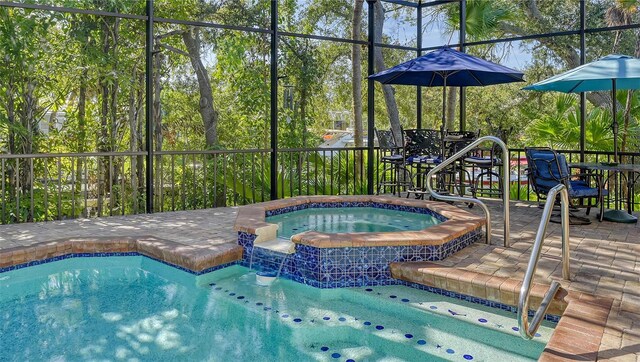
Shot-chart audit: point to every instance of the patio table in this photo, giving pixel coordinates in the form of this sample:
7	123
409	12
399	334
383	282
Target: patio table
629	171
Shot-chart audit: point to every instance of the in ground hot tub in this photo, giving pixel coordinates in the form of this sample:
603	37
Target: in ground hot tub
368	219
341	241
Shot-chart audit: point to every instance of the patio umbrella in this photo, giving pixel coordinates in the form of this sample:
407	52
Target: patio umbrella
448	67
611	73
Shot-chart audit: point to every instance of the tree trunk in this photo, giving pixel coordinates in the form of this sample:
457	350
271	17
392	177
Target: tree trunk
11	119
82	133
389	93
138	170
29	122
452	100
108	88
356	73
132	117
113	115
209	115
158	63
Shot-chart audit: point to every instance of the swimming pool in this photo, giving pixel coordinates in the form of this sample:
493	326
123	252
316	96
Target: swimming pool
132	307
349	220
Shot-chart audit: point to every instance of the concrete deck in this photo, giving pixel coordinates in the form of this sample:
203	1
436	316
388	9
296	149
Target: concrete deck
605	257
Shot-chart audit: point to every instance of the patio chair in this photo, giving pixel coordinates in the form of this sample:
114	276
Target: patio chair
393	158
486	160
547	168
424	151
424	145
456	176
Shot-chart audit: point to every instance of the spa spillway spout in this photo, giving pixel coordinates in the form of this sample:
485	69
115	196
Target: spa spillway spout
280	247
266	278
284	258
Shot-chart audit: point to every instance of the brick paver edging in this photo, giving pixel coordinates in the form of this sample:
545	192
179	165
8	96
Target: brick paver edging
193	258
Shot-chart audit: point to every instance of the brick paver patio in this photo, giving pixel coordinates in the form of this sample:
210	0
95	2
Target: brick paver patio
604	256
197	227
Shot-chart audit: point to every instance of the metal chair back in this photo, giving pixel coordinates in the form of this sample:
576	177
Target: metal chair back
423	142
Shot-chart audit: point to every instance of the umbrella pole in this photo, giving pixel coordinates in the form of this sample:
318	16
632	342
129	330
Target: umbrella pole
617	215
615	120
444	112
444	102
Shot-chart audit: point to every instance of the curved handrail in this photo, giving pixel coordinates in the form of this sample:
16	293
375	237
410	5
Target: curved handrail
527	331
505	184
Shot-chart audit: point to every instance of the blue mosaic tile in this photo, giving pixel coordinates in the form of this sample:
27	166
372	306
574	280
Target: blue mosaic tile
350	266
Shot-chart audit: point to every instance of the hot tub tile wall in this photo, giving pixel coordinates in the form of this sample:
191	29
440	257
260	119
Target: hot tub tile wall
347	266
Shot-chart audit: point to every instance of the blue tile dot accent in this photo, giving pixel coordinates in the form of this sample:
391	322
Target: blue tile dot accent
350	360
482	320
326	318
369	290
433	307
324	348
212	284
259	303
537	335
450	351
379	328
297	320
267	308
218	288
405	300
393	296
422	342
468	357
515	329
342	319
367	323
285	316
241	297
335	355
232	294
409	335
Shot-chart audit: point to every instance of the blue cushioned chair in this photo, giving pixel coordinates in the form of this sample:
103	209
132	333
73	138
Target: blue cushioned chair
546	168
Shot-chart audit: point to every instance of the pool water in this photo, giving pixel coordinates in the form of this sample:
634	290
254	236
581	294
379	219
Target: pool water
349	219
134	308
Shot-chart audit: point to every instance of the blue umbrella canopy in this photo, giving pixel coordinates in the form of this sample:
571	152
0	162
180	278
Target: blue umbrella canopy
595	76
448	67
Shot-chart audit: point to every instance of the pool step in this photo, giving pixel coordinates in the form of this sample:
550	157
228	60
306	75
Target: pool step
278	245
494	288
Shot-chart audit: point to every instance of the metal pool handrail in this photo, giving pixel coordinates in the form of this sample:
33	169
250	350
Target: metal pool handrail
505	184
527	331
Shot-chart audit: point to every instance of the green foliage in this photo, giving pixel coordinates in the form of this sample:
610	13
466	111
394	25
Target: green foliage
89	70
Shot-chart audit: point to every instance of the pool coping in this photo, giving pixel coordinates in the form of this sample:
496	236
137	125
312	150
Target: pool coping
196	259
579	332
251	219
